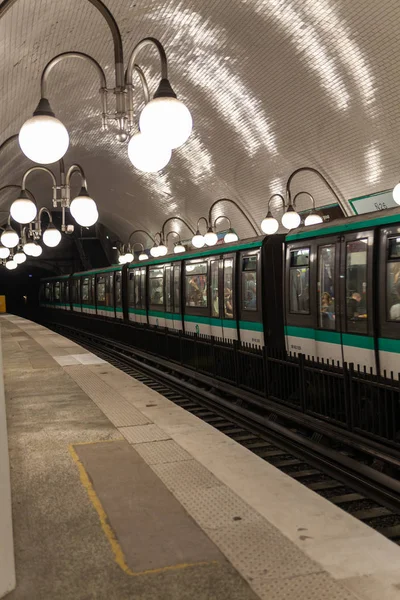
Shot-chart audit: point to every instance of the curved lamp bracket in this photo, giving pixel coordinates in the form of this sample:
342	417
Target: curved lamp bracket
240	209
140	231
340	201
177	219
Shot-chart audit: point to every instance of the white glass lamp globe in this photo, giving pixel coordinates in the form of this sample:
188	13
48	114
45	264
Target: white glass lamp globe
128	257
11	265
162	250
147	154
210	238
166	120
84	210
36	250
51	237
23	210
143	256
313	219
9	238
154	251
269	225
396	193
198	240
4	252
121	259
20	258
230	236
291	219
29	248
43	139
179	248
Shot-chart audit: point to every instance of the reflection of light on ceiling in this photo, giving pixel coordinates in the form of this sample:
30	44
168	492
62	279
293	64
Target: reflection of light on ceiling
228	94
373	163
197	157
276	186
157	183
308	42
327	20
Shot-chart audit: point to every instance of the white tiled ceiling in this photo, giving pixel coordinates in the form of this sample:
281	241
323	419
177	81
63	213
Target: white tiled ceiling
272	85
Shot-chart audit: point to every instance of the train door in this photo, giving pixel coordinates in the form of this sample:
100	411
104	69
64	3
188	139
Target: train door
85	294
76	294
300	303
101	295
249	311
92	294
178	325
57	297
118	295
132	295
388	298
169	296
156	296
216	293
356	299
229	320
197	309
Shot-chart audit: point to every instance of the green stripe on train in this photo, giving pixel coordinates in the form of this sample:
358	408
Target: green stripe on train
349	339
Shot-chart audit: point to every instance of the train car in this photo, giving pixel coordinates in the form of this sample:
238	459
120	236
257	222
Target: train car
98	292
342	285
54	292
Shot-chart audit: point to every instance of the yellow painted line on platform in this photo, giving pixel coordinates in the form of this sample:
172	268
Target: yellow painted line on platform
119	556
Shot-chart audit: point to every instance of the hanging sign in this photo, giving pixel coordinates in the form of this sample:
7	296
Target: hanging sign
373	202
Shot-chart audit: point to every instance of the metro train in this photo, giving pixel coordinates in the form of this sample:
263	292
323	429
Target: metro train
330	291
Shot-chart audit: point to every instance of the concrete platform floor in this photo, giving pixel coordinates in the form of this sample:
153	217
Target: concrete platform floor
246	530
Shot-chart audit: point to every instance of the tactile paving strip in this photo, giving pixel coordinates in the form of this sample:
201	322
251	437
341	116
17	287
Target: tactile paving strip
165	451
143	433
318	586
114	406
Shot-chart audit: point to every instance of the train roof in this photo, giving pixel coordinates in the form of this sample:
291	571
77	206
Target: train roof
384	217
55	278
203	252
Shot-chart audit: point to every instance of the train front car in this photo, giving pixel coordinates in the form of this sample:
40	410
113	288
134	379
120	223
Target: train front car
54	292
342	291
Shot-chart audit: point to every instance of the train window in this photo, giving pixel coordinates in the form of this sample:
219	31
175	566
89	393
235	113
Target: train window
214	288
156	291
326	287
228	288
47	292
299	281
196	285
57	291
356	286
85	290
168	292
249	283
131	288
393	280
118	289
110	289
177	288
101	289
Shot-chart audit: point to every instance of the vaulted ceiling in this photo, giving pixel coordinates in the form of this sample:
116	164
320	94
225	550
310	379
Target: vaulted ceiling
272	85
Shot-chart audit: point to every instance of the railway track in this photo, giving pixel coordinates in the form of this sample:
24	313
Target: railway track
339	474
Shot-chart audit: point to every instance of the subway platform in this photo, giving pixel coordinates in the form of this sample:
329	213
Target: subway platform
119	494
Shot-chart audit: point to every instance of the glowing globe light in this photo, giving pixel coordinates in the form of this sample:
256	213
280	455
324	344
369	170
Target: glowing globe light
269	225
9	238
43	138
11	265
291	219
147	154
37	250
313	219
230	236
396	193
167	120
198	240
29	248
121	259
162	250
210	238
154	251
51	237
128	257
179	248
143	256
4	252
23	210
20	258
84	210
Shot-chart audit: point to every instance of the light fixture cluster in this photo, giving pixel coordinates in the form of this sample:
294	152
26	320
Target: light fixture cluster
165	123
